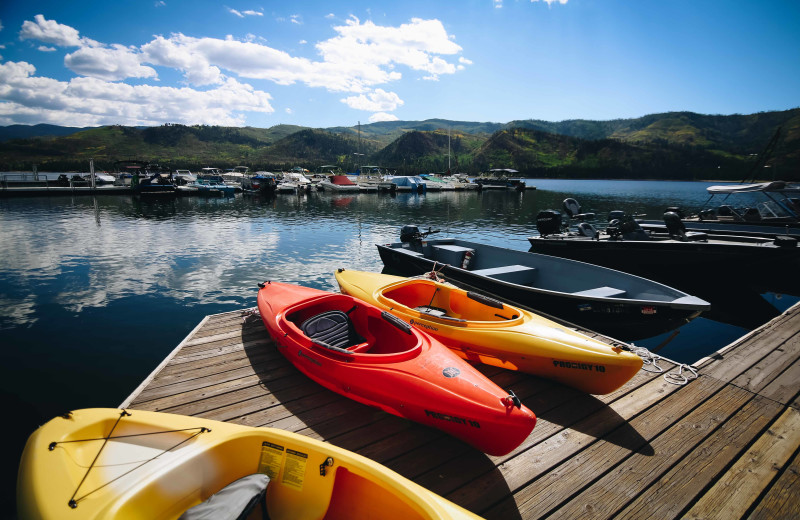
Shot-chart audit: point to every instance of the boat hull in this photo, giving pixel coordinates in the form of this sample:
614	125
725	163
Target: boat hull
403	372
624	318
754	261
156	465
502	336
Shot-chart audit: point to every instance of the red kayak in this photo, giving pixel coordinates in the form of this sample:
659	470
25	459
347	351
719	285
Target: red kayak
355	349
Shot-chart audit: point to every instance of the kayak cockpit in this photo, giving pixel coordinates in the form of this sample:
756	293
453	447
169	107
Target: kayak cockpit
439	301
339	324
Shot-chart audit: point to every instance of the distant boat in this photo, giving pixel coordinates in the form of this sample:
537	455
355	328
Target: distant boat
183	177
262	182
213	185
767	207
338	183
100	178
407	183
502	178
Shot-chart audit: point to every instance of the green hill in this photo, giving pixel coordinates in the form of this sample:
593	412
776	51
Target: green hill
674	145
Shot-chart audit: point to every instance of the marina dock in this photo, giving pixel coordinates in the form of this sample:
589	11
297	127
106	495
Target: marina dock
723	445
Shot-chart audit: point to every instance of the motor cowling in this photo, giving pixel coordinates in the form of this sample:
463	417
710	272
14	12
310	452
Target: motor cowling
409	233
676	210
674	224
548	222
617	214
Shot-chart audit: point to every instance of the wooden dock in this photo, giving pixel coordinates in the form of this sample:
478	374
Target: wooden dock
724	445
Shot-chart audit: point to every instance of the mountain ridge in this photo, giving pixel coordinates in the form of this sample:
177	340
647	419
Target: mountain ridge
670	145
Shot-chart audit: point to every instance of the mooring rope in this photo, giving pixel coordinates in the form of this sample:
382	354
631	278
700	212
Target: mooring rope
651	360
250	314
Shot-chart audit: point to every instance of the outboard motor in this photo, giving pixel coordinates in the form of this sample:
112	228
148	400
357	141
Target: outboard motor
613	229
675	225
676	210
548	222
631	230
409	233
616	214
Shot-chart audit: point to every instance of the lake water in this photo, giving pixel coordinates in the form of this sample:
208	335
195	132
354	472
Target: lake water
96	291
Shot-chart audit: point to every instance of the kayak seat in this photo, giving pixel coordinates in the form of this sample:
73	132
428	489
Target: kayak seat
519	274
602	292
233	502
333	328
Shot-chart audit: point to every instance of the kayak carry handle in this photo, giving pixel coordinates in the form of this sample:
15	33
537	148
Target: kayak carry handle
331	347
397	322
512	399
491	302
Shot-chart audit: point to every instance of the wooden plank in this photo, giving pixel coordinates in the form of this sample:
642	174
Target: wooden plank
551	489
586	420
605	497
677	487
755	347
784	387
132	397
781	500
784	355
733	494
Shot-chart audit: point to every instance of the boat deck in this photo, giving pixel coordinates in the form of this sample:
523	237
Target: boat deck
724	445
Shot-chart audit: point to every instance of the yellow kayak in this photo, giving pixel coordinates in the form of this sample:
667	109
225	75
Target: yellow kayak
108	463
488	331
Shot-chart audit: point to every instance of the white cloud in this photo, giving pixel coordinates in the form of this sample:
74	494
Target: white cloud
551	2
50	31
177	53
296	19
302	42
112	64
91	101
361	57
368	50
45	48
330	15
242	14
288	111
382	116
160	3
377	101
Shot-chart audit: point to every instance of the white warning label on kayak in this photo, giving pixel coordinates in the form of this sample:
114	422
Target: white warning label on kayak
271	459
294	471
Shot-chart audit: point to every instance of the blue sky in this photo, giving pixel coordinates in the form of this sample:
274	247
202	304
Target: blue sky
323	64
